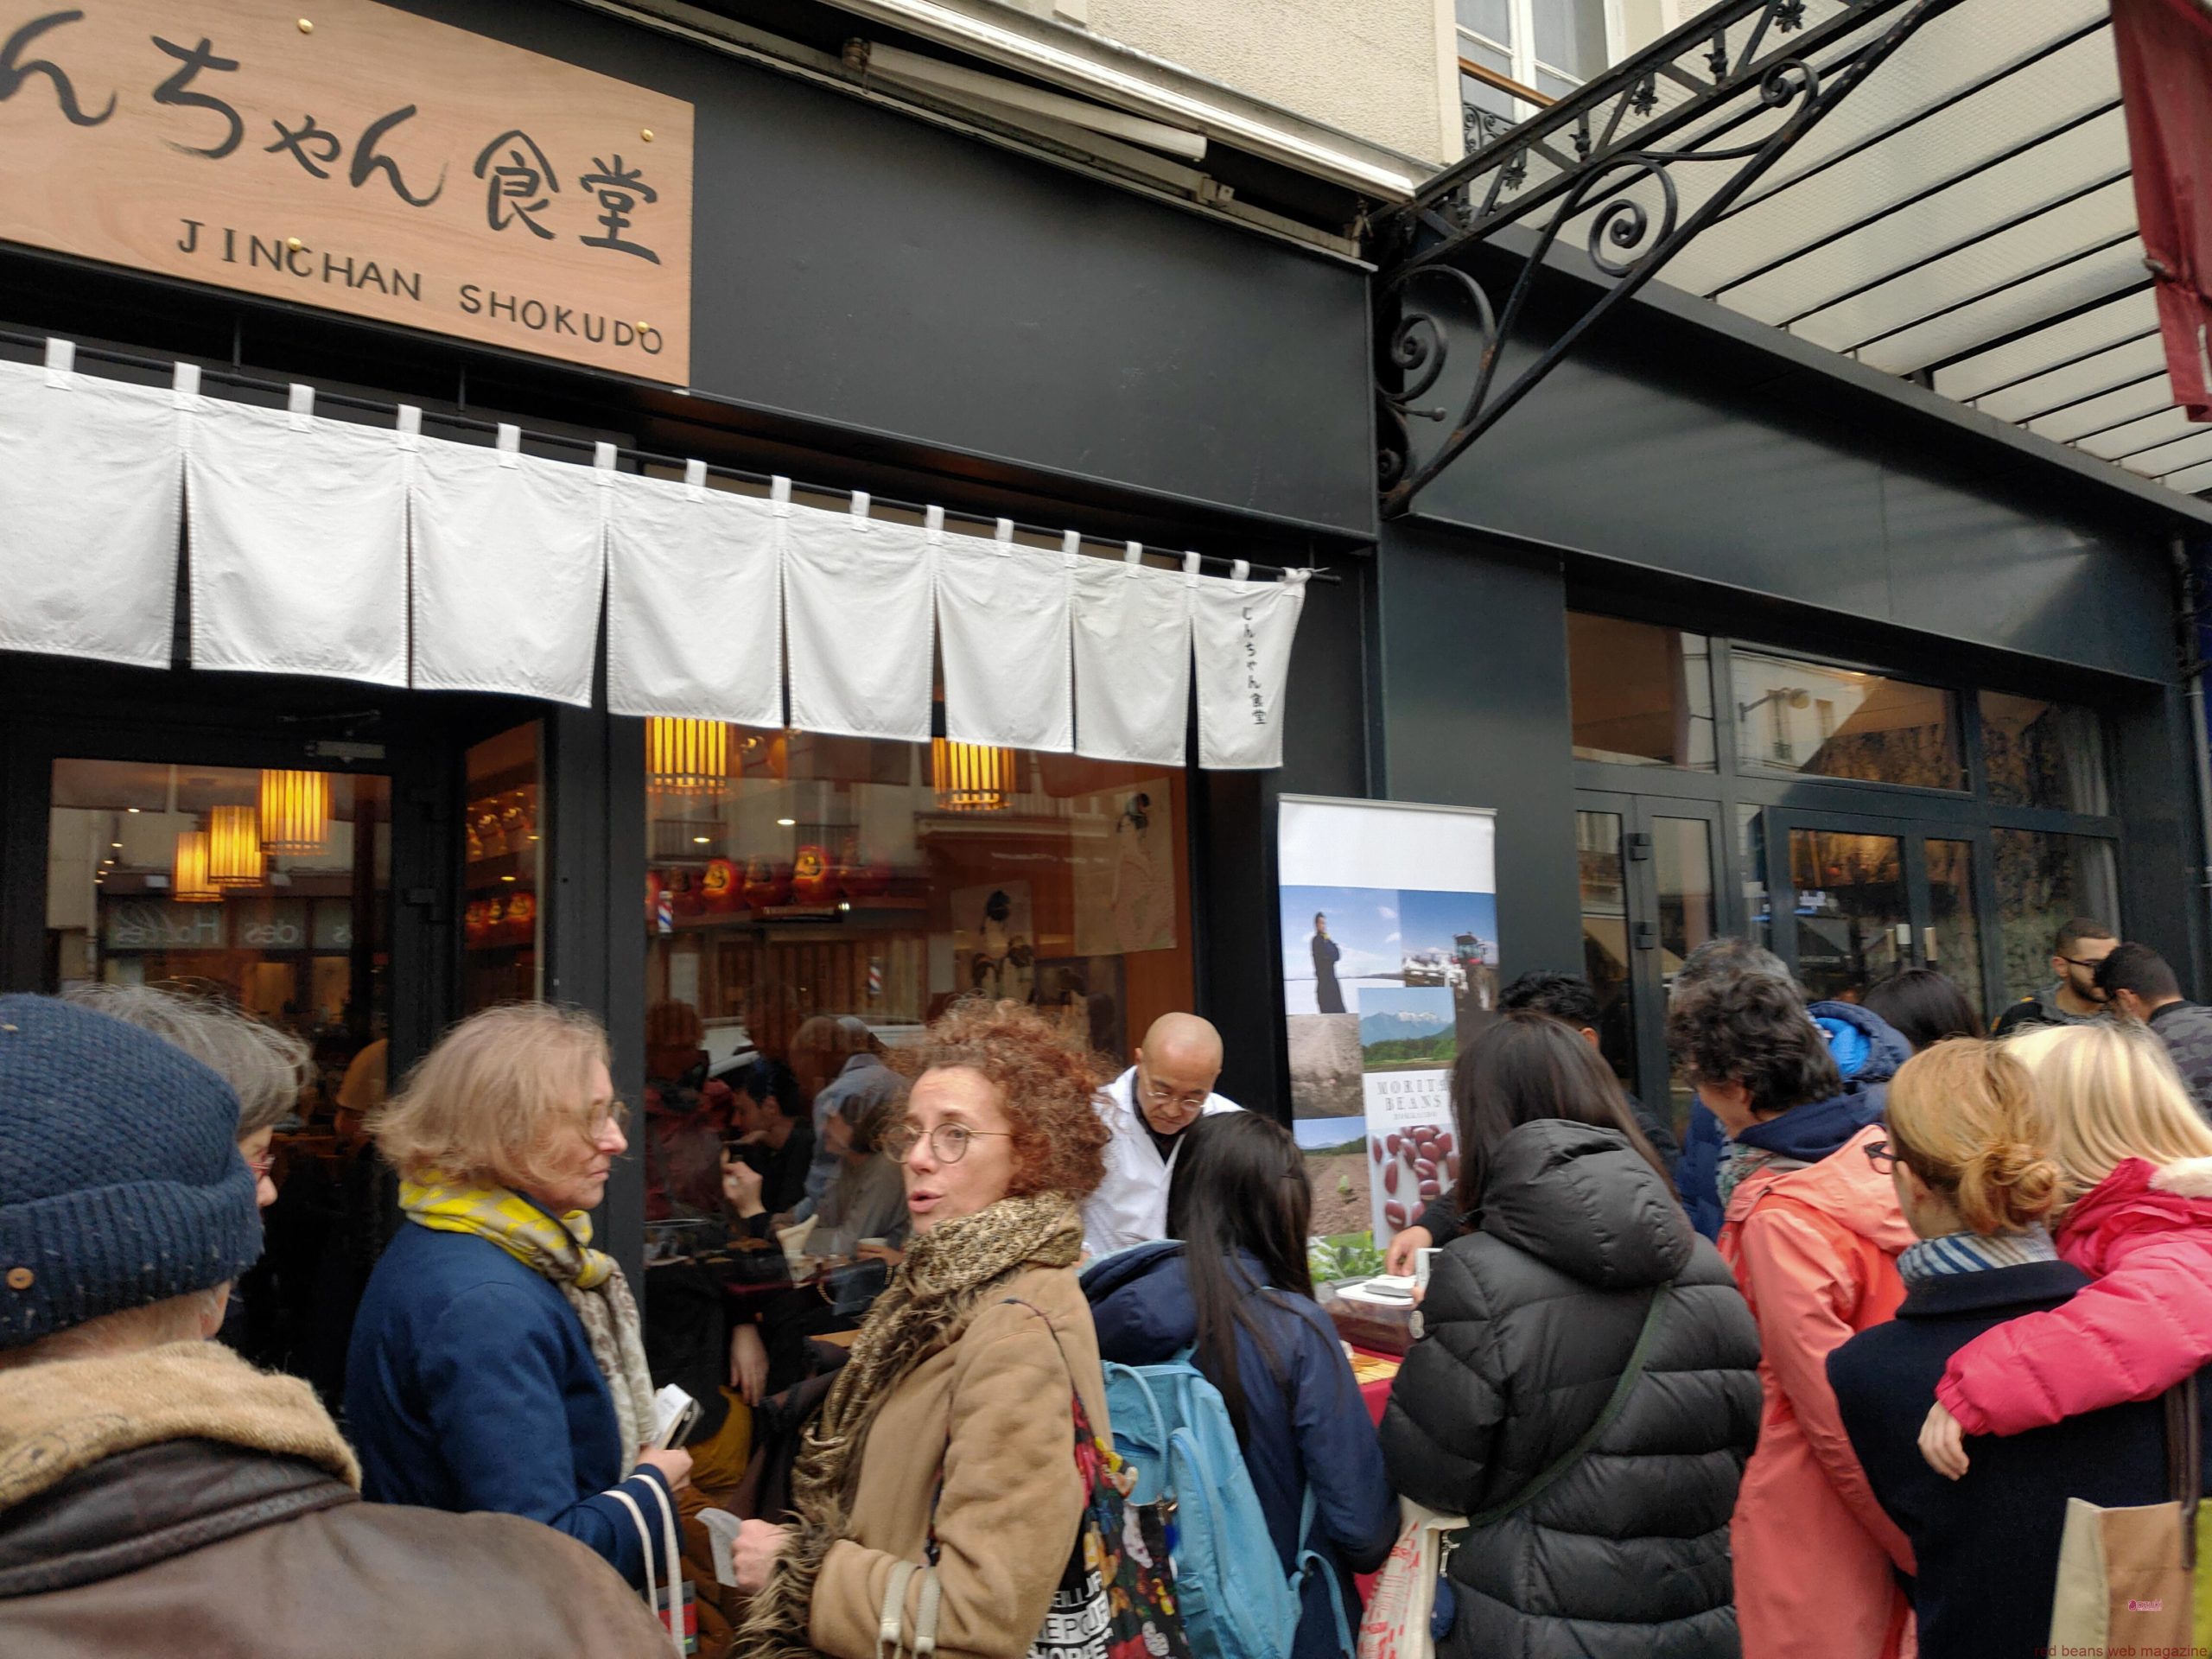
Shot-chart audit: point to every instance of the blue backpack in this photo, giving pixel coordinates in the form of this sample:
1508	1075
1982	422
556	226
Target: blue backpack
1174	1427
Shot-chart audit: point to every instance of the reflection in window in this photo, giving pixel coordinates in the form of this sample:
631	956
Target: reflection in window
2041	754
1842	722
1604	936
795	877
2042	881
502	918
1750	856
267	891
1640	695
1954	942
1850	910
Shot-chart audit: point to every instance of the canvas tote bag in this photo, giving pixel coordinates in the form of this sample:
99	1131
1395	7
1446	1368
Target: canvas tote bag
2126	1578
1396	1623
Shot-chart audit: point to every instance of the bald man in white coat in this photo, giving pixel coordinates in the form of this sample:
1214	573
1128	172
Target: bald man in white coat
1147	1107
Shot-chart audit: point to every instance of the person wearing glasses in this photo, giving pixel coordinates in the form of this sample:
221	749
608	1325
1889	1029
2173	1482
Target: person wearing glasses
497	1360
938	1496
1812	1229
1147	1109
2073	999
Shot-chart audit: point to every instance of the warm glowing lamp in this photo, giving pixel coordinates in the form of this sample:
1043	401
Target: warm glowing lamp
295	812
234	846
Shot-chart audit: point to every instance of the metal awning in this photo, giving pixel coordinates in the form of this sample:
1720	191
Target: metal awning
1937	188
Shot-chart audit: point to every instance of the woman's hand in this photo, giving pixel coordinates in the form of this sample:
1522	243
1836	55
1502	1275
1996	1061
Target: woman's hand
1943	1442
1405	1247
673	1462
741	1186
748	1363
754	1553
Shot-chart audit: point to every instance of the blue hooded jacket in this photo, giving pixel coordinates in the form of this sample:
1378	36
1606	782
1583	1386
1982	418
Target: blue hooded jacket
1867	1051
1312	1427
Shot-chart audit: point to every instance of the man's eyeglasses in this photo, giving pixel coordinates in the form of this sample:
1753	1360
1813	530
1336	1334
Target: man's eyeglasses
947	1141
2078	963
1162	1098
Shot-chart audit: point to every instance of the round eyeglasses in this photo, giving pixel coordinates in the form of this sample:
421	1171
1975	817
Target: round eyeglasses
947	1141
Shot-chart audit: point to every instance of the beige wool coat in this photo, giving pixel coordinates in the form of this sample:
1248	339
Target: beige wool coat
990	1411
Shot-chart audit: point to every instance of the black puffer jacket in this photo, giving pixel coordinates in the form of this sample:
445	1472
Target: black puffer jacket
1529	1321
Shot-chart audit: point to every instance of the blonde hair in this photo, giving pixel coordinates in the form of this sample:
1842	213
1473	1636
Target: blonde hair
1963	1117
494	1102
2109	1092
266	1067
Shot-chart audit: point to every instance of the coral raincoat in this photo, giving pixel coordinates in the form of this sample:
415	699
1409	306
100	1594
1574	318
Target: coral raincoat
2143	1234
1815	1250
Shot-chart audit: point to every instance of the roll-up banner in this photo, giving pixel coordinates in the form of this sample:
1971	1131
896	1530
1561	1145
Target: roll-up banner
1389	962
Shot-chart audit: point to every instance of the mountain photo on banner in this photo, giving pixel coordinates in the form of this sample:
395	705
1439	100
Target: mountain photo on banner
1407	1028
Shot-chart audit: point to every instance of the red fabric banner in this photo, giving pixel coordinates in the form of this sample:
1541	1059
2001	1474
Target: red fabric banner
2165	78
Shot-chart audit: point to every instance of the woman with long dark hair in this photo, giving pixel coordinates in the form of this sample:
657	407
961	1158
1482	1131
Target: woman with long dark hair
1586	1388
1231	1283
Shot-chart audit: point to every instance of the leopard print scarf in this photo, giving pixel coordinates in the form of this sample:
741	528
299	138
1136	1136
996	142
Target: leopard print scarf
946	1277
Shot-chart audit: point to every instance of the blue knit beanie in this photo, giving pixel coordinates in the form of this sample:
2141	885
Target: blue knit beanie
120	1179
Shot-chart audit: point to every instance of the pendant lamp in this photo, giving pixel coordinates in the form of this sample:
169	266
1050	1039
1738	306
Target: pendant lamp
688	757
234	846
188	882
971	777
294	813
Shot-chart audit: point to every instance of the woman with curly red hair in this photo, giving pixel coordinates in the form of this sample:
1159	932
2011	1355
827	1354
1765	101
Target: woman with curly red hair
947	1441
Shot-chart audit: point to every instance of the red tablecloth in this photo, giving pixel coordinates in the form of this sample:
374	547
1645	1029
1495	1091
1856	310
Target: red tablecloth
1375	1389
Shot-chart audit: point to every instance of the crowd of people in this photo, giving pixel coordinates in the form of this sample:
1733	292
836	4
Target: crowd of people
1819	1378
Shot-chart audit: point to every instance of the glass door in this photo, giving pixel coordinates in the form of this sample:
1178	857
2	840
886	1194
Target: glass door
1649	871
1858	898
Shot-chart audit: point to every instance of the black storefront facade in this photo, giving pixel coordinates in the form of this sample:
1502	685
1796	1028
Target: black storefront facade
880	303
1734	636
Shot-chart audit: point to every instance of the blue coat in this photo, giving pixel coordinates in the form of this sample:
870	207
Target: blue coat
470	1385
1313	1426
1987	1546
1867	1051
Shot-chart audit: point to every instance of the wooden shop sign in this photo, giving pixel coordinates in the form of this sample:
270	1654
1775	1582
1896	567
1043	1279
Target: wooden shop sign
342	154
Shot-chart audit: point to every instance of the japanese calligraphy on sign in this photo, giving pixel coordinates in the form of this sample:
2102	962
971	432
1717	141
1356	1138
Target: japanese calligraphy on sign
342	154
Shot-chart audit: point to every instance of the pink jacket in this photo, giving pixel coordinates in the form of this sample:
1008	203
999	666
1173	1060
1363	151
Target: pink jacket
2144	1235
1815	1250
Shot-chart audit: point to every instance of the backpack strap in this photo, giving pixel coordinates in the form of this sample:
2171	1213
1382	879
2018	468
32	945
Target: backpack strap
1310	1559
1630	1375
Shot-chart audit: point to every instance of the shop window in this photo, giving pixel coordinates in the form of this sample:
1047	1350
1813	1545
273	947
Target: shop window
1751	861
797	880
1604	936
2042	881
2042	753
1817	720
502	920
1640	695
269	891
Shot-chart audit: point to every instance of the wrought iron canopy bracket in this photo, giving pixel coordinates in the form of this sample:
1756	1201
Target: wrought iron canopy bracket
1590	154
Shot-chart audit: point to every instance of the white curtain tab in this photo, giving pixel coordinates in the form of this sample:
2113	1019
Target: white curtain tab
1002	631
91	490
299	543
508	568
694	612
1132	634
1244	631
857	615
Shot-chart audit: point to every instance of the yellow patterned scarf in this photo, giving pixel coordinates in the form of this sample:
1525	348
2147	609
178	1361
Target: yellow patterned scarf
559	1250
